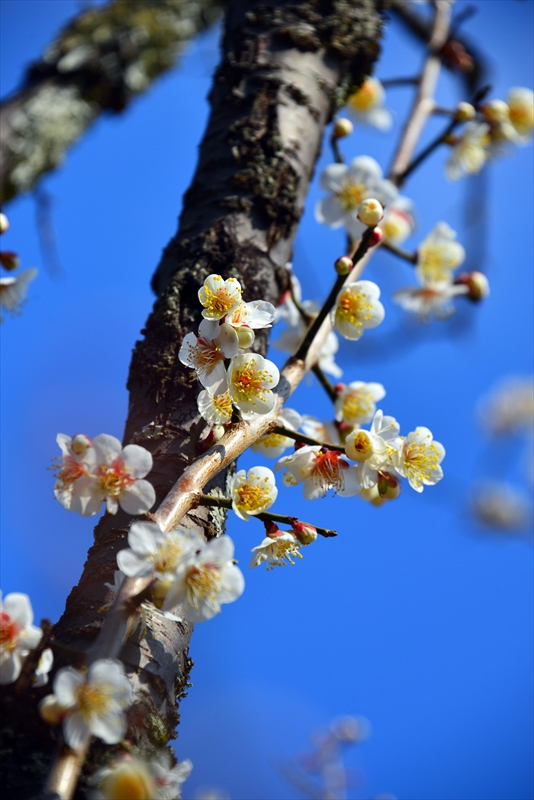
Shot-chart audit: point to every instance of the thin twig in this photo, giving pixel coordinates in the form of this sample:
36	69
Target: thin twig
300	437
400	252
389	82
325	383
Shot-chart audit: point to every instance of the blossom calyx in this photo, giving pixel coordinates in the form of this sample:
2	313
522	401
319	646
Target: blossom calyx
342	127
477	284
343	265
9	260
370	212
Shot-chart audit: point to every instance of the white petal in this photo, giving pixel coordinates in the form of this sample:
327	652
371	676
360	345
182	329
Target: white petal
227	340
144	537
329	212
331	179
218	550
137	460
10	667
365	166
137	498
66	682
107	448
133	565
76	731
19	608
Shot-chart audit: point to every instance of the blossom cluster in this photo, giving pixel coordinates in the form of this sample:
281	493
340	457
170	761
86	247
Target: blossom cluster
92	471
187	573
490	131
233	379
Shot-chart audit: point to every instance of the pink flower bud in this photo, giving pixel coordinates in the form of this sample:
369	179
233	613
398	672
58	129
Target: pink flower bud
9	260
339	388
342	127
376	237
271	529
370	212
305	533
343	265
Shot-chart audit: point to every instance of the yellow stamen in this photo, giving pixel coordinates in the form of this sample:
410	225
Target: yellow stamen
420	461
354	308
92	699
351	195
357	405
203	583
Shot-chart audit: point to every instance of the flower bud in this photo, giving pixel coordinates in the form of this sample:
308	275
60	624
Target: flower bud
4	223
340	387
376	236
50	710
304	533
496	111
476	282
370	212
245	337
358	446
389	488
218	432
342	127
80	444
465	112
343	265
9	259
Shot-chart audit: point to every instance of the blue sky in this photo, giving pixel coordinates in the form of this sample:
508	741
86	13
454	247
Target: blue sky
411	617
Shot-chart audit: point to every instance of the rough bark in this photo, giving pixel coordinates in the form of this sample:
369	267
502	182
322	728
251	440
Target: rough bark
99	62
284	69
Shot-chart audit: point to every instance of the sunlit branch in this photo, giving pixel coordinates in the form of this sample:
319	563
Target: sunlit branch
266	516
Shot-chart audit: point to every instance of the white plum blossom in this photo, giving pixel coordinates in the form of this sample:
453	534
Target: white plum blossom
17	635
94	703
320	470
367	105
207	352
77	459
357	308
430	300
356	404
439	255
257	314
152	550
250	380
216	409
418	459
219	297
253	492
327	432
398	222
204	580
132	777
116	478
374	449
277	549
273	444
470	152
348	186
13	289
521	112
45	664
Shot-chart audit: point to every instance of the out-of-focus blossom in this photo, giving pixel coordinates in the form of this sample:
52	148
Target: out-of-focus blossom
273	445
398	222
431	300
152	550
521	111
470	151
277	549
320	470
13	289
131	778
509	407
357	308
348	186
367	105
498	505
439	255
78	457
250	380
216	409
205	580
253	492
207	352
418	459
116	478
356	404
18	635
219	297
94	703
327	432
290	339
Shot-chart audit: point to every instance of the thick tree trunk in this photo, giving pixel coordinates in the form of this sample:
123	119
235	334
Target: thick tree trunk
99	62
283	70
